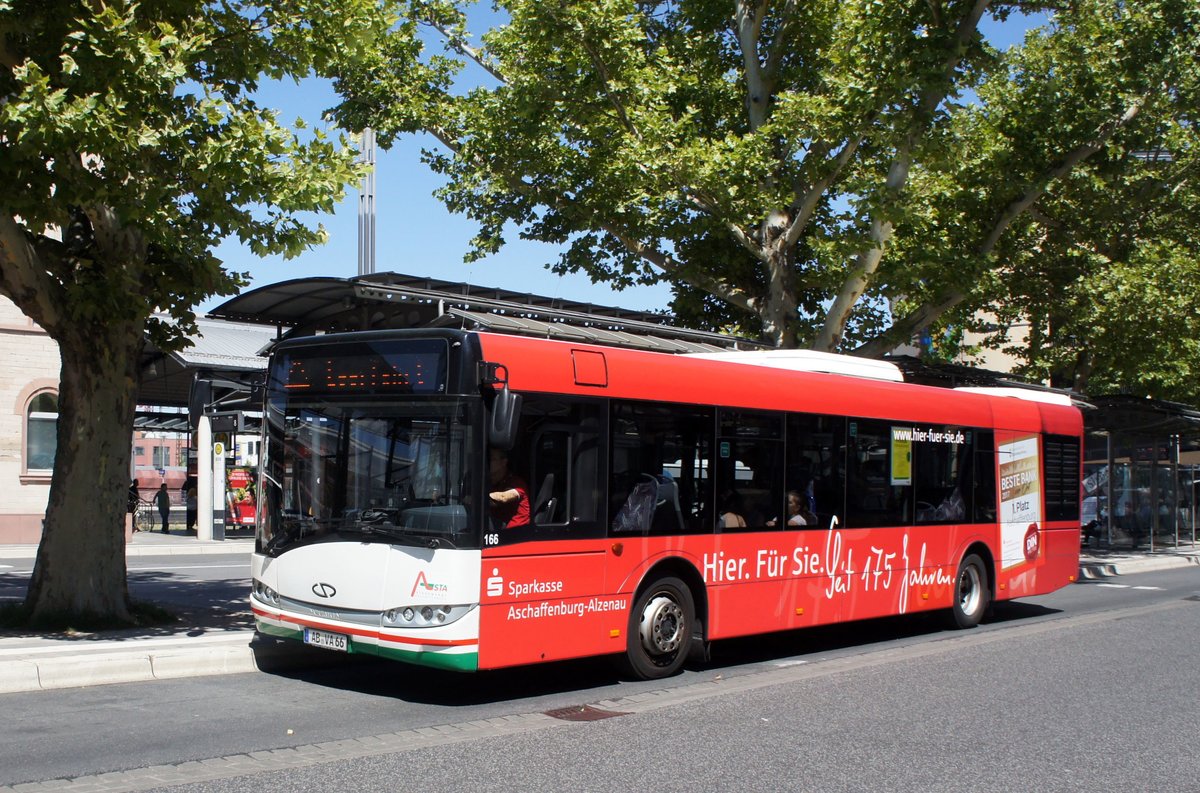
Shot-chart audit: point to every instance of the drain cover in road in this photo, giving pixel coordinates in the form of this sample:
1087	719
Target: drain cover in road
582	713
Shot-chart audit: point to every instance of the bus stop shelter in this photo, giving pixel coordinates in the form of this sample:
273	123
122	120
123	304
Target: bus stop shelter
1141	472
206	389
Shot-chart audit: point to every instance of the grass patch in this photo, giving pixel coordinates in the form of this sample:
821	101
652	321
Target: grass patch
17	617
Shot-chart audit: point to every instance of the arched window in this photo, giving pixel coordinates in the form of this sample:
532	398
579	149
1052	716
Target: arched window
41	432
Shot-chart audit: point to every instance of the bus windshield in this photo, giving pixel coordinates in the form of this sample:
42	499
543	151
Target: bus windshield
369	470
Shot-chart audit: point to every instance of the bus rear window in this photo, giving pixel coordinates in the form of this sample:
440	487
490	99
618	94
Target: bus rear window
362	367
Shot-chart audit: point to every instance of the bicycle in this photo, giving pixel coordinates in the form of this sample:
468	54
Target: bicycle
146	517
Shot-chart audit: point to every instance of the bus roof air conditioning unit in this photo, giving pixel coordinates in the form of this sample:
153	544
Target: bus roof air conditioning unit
810	361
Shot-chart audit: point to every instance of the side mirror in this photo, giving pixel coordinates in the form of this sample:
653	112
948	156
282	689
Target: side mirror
505	406
506	415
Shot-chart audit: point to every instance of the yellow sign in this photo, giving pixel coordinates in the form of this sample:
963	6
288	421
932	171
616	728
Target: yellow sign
219	449
901	456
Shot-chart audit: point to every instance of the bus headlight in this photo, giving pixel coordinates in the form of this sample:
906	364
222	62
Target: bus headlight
265	593
425	617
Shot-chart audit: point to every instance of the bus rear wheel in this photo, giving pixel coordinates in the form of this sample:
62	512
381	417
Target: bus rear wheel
971	593
660	630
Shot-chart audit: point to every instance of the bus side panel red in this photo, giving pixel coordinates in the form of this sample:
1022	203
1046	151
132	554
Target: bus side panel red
550	366
1036	557
1057	566
769	581
546	602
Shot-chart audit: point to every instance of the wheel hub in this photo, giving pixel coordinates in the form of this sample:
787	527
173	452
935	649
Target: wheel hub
969	590
662	626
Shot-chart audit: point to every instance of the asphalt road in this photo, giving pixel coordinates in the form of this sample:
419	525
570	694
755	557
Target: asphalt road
1091	687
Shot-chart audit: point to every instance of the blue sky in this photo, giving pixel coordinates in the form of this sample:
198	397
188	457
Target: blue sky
416	235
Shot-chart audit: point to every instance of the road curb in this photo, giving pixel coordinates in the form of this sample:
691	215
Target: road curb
45	668
1095	569
42	665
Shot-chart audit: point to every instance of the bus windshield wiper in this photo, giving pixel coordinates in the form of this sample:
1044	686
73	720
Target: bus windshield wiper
291	530
392	532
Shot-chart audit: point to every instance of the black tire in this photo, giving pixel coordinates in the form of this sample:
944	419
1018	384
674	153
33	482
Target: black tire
659	632
972	593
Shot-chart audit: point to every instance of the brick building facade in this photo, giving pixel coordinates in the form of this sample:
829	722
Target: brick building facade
29	373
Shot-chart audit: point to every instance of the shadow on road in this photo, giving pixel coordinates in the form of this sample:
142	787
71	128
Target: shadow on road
588	677
200	607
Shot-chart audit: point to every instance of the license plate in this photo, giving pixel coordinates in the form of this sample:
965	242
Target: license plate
330	641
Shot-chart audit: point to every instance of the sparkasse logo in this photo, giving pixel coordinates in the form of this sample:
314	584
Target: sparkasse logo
495	584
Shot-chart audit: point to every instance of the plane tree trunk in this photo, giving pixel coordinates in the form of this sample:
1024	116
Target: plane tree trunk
80	566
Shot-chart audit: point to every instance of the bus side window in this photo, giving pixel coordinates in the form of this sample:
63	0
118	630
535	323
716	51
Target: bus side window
875	494
749	481
660	454
941	469
815	465
548	489
564	451
586	470
985	477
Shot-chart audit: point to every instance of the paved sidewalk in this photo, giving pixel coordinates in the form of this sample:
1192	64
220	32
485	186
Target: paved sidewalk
153	543
1102	563
203	642
207	643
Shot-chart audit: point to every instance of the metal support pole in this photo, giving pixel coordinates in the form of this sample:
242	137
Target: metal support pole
204	479
1108	489
1173	505
1152	529
366	207
218	492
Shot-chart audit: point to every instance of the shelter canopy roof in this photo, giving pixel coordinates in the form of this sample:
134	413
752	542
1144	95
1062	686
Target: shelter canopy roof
391	300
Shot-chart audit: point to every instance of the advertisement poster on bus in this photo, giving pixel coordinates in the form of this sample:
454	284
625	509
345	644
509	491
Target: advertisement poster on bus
1020	500
239	495
901	456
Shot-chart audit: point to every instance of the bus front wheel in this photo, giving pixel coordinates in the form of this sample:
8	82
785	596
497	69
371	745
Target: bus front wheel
660	630
971	592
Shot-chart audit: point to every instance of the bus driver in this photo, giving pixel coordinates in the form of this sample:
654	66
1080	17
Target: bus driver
508	500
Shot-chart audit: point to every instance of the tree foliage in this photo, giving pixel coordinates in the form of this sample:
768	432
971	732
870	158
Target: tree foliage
827	173
1108	279
131	145
1094	260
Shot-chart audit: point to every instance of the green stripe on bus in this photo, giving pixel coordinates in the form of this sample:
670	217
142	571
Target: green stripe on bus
278	632
454	662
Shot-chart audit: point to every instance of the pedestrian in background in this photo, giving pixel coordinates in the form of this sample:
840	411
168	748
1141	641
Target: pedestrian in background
190	500
163	502
132	502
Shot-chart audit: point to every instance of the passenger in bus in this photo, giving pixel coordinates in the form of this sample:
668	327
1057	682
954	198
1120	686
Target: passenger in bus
508	499
798	512
730	513
951	508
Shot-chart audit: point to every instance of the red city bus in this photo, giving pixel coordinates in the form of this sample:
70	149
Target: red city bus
673	500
